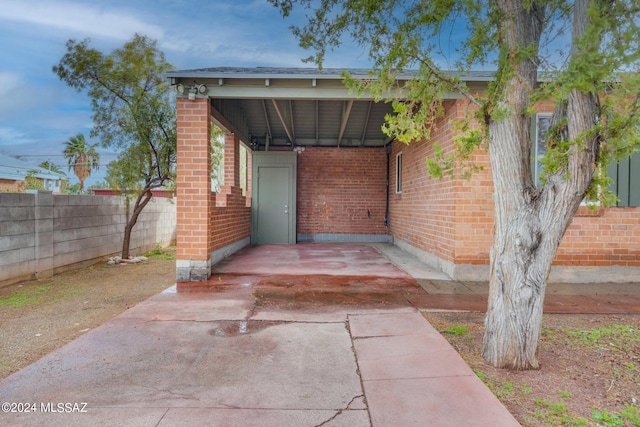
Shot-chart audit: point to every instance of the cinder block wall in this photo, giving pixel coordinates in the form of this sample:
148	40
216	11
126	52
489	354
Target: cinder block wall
17	236
43	234
341	191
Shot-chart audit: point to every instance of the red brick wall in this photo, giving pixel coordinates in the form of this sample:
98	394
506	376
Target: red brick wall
423	214
341	190
230	218
205	221
454	219
231	213
474	215
193	180
12	185
603	238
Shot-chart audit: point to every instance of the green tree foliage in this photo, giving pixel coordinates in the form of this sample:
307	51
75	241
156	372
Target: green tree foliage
217	157
100	185
82	157
70	189
32	182
132	113
51	167
583	56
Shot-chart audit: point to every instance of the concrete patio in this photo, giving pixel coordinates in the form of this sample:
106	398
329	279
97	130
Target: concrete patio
291	335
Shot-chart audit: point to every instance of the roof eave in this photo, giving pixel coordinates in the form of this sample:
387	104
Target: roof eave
303	74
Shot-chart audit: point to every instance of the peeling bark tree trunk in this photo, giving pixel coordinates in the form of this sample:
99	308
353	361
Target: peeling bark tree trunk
141	201
529	221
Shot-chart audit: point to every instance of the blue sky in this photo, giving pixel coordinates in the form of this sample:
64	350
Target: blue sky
38	112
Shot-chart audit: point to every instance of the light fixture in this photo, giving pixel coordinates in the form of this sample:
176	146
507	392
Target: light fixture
192	91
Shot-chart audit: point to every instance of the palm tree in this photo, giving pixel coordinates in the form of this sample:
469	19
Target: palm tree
51	167
82	156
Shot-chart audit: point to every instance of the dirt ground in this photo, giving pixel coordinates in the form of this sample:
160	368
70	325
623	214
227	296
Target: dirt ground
590	363
590	371
39	316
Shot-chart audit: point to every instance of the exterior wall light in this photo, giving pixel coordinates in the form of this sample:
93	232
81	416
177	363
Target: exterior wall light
192	91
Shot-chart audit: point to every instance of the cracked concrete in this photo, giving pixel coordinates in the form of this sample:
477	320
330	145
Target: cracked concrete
339	412
254	350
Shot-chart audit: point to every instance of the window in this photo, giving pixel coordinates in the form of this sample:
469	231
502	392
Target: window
625	173
542	124
543	121
243	153
399	173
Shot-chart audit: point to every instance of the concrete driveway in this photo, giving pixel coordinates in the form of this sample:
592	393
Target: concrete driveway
304	335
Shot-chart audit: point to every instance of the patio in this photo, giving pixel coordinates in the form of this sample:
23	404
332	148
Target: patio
304	335
255	348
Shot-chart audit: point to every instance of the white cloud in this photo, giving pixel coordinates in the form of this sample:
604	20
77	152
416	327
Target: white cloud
9	82
16	96
9	134
76	17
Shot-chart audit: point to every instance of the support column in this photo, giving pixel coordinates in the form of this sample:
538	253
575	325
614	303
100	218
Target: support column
249	176
194	198
231	162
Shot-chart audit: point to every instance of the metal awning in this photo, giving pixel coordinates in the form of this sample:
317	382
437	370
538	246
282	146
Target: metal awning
269	107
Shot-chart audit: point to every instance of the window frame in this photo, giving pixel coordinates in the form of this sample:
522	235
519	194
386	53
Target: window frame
399	173
537	157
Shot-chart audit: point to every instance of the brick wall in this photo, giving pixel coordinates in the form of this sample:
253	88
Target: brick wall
193	180
12	185
474	215
453	219
423	214
231	212
606	237
341	191
209	224
230	218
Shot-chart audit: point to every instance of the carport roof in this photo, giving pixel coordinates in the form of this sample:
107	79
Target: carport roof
269	107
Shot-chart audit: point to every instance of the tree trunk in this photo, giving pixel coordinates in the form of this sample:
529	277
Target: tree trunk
529	221
141	201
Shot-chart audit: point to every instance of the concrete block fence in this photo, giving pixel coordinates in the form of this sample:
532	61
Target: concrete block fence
42	234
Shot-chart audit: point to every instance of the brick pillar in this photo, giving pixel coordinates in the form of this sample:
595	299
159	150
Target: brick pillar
231	162
249	166
194	200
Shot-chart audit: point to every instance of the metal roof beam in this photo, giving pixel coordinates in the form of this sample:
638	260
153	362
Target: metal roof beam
317	124
366	122
322	142
346	112
222	122
266	117
268	124
293	123
235	90
284	124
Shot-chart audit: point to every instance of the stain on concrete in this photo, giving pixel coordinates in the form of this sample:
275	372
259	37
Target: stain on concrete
234	328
